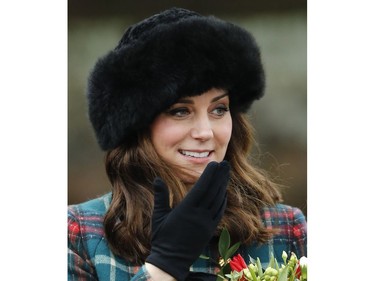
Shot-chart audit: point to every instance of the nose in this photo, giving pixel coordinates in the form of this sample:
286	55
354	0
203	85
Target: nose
202	128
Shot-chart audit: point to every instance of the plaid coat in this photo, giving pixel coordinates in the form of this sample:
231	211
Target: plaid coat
89	257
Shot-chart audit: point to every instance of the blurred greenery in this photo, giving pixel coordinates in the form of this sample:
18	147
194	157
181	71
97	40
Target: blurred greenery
279	118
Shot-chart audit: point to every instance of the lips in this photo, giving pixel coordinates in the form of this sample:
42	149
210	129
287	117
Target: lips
195	154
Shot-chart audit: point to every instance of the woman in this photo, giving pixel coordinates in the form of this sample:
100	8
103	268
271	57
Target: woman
168	105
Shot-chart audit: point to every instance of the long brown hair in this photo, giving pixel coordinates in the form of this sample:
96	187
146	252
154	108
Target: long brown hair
132	169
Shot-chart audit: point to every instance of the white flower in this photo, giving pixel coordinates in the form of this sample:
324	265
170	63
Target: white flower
303	261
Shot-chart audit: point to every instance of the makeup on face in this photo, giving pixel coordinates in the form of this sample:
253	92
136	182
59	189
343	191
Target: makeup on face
194	131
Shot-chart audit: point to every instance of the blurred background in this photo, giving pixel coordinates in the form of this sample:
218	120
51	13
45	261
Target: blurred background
280	117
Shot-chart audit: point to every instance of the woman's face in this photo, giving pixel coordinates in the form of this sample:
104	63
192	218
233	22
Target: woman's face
194	131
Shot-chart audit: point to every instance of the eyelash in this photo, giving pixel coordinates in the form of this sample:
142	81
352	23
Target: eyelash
222	108
185	111
177	111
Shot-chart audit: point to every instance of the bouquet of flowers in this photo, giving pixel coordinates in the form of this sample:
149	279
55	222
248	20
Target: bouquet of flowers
235	268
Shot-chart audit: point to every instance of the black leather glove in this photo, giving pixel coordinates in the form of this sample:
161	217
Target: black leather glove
201	276
180	235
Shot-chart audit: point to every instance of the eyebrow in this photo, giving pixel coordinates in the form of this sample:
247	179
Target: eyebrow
189	101
219	97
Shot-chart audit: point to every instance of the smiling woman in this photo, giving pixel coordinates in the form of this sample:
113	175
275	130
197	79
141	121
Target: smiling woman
168	106
194	132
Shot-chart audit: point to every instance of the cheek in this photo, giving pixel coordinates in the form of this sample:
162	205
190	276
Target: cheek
224	132
165	134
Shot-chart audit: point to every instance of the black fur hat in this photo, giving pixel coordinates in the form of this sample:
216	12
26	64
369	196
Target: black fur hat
165	57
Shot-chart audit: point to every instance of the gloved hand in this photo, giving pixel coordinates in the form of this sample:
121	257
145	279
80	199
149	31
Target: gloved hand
201	276
179	235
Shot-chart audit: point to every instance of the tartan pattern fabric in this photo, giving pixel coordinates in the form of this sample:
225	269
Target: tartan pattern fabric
89	257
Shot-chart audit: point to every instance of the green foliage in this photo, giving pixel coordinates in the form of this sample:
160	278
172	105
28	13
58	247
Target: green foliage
226	251
289	270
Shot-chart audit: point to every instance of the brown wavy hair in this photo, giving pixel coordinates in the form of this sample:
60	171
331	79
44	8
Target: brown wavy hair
131	169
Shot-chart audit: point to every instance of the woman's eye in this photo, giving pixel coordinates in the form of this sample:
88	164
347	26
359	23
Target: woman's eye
220	111
179	112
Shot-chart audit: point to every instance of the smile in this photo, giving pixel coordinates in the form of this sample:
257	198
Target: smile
195	154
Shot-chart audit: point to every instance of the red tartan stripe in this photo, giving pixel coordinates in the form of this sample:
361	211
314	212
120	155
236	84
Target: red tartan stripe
274	213
290	222
90	218
85	229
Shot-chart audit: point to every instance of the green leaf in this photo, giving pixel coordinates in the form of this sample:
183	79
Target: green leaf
226	268
230	252
283	274
224	243
272	262
220	276
276	264
252	272
234	275
204	257
260	269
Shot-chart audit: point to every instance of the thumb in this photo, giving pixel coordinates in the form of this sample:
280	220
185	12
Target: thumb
161	199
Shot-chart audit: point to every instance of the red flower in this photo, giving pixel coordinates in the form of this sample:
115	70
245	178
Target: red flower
298	271
237	263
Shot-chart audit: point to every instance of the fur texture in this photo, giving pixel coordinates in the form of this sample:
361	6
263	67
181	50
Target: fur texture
170	55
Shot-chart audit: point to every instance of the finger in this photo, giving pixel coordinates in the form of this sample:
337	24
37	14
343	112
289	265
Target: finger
161	198
207	174
200	188
218	185
220	211
221	180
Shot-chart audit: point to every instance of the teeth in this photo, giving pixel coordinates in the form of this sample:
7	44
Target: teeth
195	154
